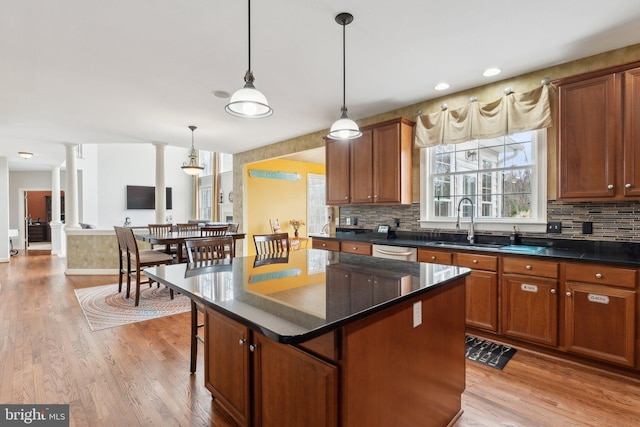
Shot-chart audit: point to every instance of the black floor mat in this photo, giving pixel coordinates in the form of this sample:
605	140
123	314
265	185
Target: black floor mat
488	353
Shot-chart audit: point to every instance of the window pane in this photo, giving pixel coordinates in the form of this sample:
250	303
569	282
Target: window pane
517	206
517	181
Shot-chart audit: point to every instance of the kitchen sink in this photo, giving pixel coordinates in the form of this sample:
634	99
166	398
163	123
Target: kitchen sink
522	249
466	245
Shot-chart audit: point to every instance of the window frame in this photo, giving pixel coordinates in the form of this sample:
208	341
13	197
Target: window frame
536	223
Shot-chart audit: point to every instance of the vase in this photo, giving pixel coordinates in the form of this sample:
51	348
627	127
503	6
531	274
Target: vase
295	233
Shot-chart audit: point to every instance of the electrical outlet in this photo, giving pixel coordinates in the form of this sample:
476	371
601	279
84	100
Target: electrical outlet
587	228
554	227
348	221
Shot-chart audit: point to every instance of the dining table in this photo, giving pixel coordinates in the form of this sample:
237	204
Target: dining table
178	238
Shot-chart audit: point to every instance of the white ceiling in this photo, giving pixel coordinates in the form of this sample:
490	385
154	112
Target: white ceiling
131	71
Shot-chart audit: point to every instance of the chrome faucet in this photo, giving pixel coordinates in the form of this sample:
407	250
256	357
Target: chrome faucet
471	234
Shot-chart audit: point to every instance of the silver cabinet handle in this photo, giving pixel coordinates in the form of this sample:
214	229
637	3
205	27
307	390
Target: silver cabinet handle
568	294
253	347
627	185
242	341
346	197
433	257
598	276
528	267
610	186
553	290
475	261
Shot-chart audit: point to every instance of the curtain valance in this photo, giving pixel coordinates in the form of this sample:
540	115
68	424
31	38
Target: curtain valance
510	114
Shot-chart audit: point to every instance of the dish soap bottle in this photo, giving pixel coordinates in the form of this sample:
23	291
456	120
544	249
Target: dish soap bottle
514	237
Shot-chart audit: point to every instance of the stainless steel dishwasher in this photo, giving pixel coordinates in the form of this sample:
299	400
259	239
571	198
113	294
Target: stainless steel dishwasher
395	252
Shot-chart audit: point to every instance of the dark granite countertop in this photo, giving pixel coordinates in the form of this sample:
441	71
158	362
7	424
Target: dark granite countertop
303	294
618	253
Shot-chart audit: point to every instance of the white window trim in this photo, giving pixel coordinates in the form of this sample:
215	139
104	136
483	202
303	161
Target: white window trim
538	222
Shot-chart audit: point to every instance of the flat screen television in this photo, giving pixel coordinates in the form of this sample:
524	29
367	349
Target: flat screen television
141	197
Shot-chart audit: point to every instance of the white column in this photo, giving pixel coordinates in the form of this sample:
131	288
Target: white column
56	223
161	186
71	195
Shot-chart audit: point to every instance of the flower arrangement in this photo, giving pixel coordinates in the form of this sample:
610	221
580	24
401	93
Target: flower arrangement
296	224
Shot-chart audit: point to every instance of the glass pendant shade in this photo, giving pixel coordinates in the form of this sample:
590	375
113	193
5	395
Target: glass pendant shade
248	102
344	128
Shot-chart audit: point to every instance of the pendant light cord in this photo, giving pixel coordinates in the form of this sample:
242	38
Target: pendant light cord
344	68
249	31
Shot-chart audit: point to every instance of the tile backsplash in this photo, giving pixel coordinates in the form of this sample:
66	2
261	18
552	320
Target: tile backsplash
612	221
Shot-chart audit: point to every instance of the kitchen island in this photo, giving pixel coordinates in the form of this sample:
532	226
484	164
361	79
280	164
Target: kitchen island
319	338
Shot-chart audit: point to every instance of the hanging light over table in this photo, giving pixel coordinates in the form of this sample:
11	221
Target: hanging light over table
344	127
249	102
192	168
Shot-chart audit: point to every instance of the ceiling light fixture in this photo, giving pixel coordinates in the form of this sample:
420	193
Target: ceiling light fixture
249	102
441	86
344	128
490	72
192	168
25	154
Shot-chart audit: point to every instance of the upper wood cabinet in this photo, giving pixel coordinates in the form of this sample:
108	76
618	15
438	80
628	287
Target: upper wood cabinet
375	168
598	143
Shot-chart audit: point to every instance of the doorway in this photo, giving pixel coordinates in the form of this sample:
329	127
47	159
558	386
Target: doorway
37	213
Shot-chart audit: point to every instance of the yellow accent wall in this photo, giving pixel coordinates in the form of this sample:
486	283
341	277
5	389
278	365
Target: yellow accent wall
269	199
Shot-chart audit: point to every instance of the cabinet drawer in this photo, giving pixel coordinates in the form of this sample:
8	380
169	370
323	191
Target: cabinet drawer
356	248
601	274
476	261
530	267
436	257
330	245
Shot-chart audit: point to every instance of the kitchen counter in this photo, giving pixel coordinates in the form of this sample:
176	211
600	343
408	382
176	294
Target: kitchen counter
615	253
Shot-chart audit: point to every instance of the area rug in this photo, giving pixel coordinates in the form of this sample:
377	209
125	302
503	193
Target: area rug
487	352
104	307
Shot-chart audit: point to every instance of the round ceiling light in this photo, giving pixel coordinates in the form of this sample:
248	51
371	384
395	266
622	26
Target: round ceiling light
490	72
441	86
25	154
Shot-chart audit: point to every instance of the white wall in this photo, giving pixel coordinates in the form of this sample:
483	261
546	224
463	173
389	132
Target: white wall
4	213
134	164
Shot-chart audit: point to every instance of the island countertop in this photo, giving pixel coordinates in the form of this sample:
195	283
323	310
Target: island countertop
296	296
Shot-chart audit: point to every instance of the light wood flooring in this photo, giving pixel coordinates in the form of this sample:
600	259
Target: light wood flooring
138	375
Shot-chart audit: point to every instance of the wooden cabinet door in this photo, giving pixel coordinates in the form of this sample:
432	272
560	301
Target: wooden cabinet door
386	164
337	172
587	122
530	308
338	292
293	388
362	168
226	367
600	322
481	289
632	133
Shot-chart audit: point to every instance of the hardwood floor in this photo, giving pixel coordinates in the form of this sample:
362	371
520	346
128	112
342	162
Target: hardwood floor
138	375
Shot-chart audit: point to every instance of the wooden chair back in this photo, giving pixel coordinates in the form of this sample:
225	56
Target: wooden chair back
271	243
232	228
213	230
160	228
185	228
209	248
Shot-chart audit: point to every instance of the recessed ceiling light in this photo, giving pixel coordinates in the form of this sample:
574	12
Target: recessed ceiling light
25	154
441	86
489	72
220	94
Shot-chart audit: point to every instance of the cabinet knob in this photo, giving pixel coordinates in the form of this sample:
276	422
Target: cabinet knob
368	197
598	276
242	341
433	257
610	186
627	186
568	294
375	196
346	197
253	347
324	245
475	261
553	290
528	267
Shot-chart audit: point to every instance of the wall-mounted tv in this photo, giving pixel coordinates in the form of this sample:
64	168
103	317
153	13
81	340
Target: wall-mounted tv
141	197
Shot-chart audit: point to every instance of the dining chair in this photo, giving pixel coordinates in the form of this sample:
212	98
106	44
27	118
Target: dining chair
185	228
214	230
138	259
160	230
200	251
123	259
232	227
271	243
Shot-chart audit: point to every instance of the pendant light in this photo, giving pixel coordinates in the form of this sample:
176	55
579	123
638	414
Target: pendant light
344	127
249	102
192	168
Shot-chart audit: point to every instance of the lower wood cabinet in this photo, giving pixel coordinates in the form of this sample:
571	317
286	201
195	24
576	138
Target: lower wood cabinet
481	289
259	382
529	300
